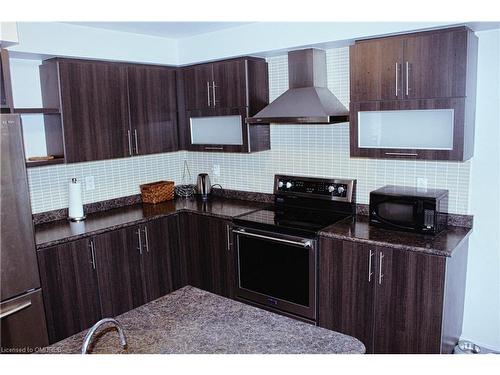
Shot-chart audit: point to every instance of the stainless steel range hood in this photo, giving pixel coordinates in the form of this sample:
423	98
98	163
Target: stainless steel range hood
308	100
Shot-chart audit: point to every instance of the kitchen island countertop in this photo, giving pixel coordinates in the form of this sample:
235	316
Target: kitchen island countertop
191	320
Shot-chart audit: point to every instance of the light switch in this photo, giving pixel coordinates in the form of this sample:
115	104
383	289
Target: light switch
89	183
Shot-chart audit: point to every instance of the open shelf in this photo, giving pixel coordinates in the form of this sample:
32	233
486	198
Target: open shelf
43	111
39	163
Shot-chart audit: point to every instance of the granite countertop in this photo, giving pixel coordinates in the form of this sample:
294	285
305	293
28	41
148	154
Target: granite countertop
191	320
358	229
60	231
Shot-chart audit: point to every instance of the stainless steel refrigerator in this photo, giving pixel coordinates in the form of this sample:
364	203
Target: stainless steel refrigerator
23	327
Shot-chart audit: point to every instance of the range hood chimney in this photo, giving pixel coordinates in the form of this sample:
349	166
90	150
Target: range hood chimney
308	100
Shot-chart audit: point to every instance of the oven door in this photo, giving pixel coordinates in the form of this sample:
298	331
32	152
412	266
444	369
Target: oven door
277	270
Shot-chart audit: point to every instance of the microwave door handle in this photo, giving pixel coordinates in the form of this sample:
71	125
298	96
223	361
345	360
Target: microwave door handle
392	224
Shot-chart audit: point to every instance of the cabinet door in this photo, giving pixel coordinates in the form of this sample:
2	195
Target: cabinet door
94	109
70	291
153	106
376	69
229	84
198	86
218	130
409	302
432	129
346	289
118	262
435	65
160	237
206	244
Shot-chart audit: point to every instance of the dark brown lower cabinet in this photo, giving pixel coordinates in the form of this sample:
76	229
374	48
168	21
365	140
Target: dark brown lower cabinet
394	301
69	284
206	248
162	242
134	264
346	289
106	275
118	258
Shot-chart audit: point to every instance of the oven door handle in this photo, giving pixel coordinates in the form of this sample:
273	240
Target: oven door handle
305	244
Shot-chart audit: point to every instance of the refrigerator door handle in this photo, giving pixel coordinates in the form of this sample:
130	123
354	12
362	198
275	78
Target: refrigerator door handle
14	308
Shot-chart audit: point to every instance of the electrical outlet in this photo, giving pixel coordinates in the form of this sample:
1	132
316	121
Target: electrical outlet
216	169
421	183
89	183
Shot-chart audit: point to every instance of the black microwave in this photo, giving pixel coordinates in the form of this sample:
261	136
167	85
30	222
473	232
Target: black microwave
409	209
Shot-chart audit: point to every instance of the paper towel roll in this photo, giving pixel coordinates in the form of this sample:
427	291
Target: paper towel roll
75	210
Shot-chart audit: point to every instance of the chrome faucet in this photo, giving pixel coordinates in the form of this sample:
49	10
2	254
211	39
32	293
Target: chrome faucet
90	333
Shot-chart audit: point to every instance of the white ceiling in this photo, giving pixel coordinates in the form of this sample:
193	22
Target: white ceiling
174	30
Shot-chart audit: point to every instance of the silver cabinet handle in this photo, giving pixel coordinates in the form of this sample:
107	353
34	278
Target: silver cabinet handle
380	274
407	78
397	78
213	92
208	93
15	308
129	143
92	252
370	273
146	238
140	240
214	148
402	153
228	238
305	244
136	143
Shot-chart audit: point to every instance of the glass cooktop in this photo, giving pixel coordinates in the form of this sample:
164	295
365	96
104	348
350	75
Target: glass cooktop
293	221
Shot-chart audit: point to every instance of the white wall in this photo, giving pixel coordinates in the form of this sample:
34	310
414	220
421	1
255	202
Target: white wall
8	34
26	91
263	37
62	39
482	299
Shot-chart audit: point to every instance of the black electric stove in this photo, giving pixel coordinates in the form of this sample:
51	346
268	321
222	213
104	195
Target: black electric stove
277	247
304	205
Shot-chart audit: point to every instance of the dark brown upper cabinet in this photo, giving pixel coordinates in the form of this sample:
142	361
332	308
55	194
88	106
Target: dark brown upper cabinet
425	65
375	72
153	109
108	110
93	100
221	84
432	75
394	301
214	101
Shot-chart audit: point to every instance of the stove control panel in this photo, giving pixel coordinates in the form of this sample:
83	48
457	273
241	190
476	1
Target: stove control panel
318	188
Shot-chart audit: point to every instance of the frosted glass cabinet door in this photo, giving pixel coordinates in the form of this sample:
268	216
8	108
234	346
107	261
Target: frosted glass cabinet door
426	129
216	130
430	129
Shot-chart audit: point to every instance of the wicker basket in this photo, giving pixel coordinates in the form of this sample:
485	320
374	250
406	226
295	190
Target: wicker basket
156	192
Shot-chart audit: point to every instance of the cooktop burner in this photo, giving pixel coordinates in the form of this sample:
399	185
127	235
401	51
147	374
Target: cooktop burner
304	205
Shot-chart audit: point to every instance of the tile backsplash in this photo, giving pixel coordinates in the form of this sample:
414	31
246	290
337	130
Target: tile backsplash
314	150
